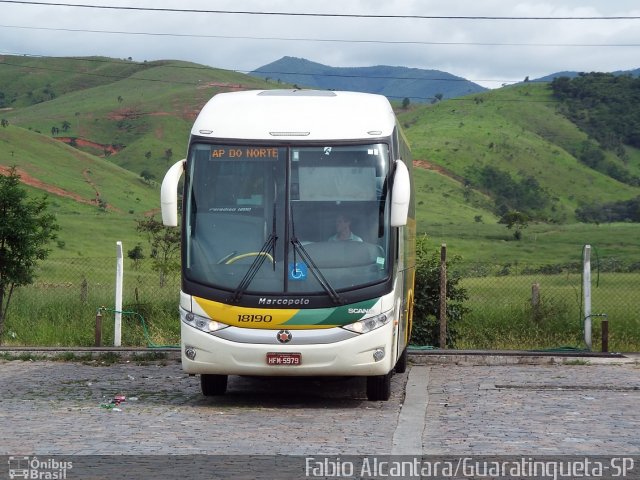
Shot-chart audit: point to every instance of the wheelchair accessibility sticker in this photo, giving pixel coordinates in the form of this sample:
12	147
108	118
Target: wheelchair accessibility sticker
298	271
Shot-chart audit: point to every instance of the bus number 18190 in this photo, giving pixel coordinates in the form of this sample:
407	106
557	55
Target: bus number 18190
254	318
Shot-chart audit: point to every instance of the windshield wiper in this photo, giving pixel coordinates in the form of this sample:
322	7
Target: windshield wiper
315	270
268	246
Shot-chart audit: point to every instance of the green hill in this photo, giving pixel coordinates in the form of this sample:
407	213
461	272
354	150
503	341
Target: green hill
519	131
30	80
140	110
125	118
516	130
96	202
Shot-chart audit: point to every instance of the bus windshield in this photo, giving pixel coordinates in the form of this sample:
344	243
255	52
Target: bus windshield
296	220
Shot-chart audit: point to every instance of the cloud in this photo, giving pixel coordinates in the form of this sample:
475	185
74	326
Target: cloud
481	50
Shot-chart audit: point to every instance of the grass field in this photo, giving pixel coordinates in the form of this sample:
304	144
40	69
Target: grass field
60	308
502	317
541	244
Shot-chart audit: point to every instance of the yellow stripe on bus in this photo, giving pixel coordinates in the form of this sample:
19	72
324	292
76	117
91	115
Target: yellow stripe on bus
244	316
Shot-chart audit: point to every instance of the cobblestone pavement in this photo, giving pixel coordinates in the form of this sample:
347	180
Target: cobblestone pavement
533	410
54	408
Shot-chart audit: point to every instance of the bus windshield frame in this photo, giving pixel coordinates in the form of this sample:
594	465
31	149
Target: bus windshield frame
294	220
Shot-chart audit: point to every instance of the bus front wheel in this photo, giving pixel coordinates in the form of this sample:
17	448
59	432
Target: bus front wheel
379	387
401	364
213	384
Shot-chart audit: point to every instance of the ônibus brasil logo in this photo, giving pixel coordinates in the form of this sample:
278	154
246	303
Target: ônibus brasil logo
35	468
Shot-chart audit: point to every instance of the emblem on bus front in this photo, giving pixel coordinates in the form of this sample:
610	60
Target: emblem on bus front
284	336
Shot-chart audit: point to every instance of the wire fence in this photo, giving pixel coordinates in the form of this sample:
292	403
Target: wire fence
512	306
59	308
92	280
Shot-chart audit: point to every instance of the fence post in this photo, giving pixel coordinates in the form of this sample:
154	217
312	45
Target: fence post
98	328
586	285
535	301
117	330
605	335
443	295
84	290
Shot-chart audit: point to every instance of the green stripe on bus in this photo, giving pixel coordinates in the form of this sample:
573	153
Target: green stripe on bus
331	316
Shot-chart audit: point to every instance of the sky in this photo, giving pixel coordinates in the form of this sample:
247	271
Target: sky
488	51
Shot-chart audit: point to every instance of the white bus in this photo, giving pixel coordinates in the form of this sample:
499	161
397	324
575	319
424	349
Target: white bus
298	238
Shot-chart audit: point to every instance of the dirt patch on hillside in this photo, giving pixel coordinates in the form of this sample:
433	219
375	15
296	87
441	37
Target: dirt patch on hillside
152	212
125	114
133	114
60	192
39	184
427	165
87	178
83	142
230	86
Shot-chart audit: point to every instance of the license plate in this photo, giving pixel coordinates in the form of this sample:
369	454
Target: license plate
278	358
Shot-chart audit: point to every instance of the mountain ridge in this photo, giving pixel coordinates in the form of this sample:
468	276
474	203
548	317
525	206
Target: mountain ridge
418	85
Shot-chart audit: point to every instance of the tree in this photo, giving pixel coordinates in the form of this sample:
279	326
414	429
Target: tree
165	246
516	220
147	176
25	230
406	102
65	126
136	255
4	122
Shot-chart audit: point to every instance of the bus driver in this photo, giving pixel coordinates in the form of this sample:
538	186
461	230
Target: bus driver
343	230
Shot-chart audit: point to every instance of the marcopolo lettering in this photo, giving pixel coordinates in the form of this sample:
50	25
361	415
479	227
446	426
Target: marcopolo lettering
283	301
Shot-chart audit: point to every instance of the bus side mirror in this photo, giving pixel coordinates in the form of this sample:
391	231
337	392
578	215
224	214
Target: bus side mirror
400	195
169	194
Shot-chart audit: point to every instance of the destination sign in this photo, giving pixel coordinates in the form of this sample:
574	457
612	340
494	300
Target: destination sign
245	153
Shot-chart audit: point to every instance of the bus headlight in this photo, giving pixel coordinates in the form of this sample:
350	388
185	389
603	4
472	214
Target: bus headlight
201	323
368	324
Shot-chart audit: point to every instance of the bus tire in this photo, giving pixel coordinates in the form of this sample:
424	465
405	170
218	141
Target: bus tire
401	364
379	387
213	385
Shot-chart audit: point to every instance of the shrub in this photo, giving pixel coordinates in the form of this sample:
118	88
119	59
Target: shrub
426	326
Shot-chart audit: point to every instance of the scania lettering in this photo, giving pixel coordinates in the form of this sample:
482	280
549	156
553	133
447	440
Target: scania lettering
267	289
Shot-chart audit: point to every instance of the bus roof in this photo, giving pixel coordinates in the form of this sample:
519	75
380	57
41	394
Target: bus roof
295	115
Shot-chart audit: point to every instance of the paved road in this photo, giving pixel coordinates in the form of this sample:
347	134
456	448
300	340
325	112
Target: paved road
54	408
